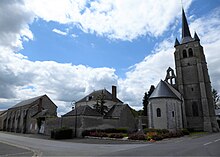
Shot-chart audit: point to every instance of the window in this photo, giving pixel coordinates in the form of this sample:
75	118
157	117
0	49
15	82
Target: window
184	54
172	113
195	109
190	52
158	112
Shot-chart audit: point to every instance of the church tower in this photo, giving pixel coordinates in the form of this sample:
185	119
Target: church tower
193	82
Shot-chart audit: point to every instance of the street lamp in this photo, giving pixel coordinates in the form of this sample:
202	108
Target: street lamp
73	103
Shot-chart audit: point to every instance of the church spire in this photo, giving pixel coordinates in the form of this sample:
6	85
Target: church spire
185	27
186	36
196	38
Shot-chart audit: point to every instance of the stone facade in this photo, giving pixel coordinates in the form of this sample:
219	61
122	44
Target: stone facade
3	115
165	108
193	82
194	109
29	116
86	117
123	119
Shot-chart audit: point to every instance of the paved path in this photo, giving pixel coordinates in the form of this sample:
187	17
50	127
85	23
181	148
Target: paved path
8	149
208	145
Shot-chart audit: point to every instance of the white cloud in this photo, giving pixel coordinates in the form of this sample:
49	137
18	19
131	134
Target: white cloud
153	67
149	72
21	79
59	32
62	82
124	19
74	35
14	21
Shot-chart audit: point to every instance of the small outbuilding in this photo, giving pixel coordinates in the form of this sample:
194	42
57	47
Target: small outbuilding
165	108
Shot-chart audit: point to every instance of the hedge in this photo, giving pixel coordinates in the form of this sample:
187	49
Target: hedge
62	133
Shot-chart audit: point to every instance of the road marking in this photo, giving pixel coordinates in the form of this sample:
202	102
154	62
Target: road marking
217	140
207	143
35	152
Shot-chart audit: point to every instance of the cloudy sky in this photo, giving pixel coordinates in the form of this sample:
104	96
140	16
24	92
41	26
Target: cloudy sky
68	48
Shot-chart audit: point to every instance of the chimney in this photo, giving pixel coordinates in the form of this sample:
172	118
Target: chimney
114	93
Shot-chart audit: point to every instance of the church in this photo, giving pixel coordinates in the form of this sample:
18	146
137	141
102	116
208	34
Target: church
184	100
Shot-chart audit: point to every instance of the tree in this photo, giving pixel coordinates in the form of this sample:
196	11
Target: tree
146	98
216	97
100	101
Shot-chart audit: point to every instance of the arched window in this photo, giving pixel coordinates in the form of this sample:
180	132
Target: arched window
184	54
195	109
190	52
173	113
158	112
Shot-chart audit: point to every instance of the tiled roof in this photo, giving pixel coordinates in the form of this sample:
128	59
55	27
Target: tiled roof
83	110
27	102
115	111
93	96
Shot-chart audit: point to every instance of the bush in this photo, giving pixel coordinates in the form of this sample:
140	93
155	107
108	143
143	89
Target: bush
104	131
116	135
157	137
98	134
137	136
158	131
62	133
116	130
185	131
177	133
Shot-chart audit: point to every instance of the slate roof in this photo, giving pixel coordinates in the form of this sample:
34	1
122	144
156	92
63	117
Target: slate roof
83	110
2	112
27	102
164	90
186	36
115	111
93	96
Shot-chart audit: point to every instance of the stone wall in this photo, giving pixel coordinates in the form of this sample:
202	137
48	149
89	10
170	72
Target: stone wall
88	123
171	114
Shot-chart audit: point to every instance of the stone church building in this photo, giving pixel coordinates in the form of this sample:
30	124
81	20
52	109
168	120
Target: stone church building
184	100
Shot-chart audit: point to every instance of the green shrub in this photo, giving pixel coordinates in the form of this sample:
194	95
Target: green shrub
98	134
122	130
185	131
106	131
157	137
137	136
62	133
158	131
116	135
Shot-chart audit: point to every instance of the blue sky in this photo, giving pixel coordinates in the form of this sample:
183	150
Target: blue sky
86	48
66	49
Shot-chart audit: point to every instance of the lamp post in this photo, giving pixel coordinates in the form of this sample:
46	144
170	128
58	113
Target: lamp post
74	104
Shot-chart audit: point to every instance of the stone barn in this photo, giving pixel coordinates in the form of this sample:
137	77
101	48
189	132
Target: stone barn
29	115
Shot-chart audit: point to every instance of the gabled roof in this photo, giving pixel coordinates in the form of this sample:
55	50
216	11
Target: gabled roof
93	96
83	110
27	102
116	110
3	112
164	90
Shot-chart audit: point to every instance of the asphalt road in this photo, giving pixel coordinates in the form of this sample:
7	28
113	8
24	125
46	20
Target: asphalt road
12	150
208	145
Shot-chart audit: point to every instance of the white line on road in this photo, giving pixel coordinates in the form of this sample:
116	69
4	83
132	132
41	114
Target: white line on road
217	140
207	143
